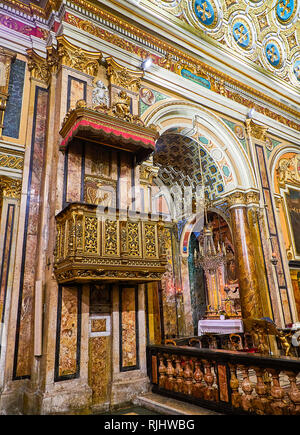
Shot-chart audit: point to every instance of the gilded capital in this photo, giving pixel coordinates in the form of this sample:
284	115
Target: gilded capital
38	66
10	187
123	77
252	197
255	130
77	58
236	199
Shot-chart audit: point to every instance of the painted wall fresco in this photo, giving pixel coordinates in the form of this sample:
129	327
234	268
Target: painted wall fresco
68	333
26	291
148	97
13	109
128	328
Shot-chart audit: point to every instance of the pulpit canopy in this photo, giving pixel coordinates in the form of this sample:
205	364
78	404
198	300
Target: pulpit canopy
103	126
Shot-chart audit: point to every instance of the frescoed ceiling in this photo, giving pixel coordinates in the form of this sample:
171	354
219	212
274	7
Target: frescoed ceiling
263	32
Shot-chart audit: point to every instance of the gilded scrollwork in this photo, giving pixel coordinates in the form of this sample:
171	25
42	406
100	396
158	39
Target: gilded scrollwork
123	77
10	187
117	251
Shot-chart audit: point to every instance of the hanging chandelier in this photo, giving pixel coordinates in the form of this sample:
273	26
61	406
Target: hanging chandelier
209	257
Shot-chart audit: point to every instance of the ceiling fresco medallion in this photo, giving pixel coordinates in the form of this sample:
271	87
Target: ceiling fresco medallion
206	12
285	10
273	54
242	34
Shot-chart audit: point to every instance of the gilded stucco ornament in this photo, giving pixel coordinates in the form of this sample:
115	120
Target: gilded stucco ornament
10	187
77	58
255	130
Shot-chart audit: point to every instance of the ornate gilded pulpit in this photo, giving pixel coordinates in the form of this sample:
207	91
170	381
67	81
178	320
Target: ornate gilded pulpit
99	237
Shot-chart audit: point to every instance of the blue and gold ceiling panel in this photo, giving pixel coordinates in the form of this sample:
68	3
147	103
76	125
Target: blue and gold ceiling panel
266	32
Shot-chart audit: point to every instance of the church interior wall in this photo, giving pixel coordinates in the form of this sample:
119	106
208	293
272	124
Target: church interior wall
92	356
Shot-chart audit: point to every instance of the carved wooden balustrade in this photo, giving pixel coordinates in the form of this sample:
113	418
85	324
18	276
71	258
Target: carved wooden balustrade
94	243
226	381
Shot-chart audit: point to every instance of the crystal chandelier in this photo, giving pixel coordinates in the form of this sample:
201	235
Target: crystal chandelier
208	257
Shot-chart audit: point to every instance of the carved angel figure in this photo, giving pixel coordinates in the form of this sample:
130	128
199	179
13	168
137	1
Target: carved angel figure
100	94
122	105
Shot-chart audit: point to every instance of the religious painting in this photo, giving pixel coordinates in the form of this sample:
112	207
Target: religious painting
293	206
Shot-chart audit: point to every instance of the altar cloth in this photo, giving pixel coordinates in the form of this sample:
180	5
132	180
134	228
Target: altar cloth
217	326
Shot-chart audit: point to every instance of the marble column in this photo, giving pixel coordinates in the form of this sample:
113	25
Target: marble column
244	254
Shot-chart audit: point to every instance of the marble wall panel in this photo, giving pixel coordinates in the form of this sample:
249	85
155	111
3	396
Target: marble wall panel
67	358
6	257
153	314
274	237
129	358
169	292
24	330
75	159
76	91
12	117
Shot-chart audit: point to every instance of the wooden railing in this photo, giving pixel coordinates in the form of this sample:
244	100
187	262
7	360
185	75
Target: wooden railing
226	381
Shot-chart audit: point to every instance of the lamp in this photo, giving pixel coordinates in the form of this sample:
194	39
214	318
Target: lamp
146	63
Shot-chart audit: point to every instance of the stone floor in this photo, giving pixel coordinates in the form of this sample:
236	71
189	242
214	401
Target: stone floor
166	406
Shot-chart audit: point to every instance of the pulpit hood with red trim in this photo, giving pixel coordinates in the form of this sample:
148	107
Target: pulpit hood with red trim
96	126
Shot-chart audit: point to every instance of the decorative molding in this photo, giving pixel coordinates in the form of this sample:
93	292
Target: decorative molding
10	187
175	60
10	161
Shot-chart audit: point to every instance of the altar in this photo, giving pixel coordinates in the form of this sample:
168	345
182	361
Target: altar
218	326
